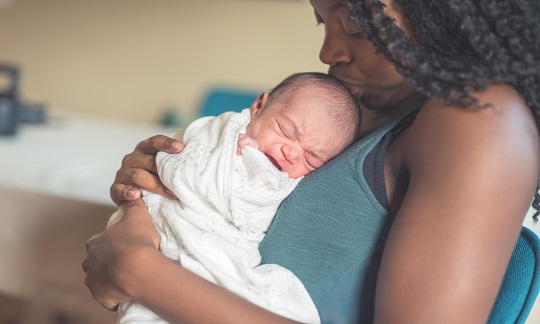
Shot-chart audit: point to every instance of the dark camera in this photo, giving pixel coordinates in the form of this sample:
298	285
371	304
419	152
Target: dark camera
12	110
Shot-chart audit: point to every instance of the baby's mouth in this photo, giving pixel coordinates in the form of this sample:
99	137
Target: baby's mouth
273	161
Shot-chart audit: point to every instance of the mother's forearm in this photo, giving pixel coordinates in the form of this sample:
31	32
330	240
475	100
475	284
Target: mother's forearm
178	295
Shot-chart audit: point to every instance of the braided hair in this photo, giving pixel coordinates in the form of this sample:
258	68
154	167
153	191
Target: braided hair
461	46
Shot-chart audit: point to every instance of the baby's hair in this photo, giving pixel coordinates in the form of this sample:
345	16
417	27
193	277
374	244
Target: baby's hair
342	109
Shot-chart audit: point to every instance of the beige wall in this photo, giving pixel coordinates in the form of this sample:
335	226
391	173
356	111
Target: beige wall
130	58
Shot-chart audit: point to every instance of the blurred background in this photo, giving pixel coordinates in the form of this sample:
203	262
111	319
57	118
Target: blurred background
83	82
130	59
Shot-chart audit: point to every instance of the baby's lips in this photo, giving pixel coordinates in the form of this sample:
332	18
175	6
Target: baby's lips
273	161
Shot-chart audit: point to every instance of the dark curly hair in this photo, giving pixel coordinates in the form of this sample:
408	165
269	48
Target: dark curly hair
460	47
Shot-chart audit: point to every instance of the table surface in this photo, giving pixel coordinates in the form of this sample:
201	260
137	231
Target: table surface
71	156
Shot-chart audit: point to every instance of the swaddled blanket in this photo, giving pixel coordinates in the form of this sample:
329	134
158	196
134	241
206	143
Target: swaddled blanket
226	203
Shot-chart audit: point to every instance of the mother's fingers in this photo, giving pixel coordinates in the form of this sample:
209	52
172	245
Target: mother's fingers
101	275
107	302
135	179
85	265
120	192
139	170
159	143
90	240
137	160
86	262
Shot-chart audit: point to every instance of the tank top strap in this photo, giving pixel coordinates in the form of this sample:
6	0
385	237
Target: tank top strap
404	123
373	165
391	128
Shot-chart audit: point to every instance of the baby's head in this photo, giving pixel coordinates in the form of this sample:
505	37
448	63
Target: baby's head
308	119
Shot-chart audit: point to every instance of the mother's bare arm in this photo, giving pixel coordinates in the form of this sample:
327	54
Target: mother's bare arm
473	173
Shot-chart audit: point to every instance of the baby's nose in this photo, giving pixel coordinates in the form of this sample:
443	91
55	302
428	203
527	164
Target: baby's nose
291	153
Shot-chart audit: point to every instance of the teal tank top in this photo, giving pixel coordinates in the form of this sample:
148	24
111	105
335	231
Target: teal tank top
330	231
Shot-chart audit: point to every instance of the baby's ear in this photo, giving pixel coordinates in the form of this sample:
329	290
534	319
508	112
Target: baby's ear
258	104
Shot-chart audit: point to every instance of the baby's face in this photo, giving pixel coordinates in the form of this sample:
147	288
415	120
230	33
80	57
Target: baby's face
297	140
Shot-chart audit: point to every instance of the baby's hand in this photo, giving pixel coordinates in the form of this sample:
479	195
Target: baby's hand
244	140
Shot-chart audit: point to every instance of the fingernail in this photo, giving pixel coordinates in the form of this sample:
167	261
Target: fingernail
132	193
175	145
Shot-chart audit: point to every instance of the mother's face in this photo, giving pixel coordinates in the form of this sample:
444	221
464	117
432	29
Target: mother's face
354	60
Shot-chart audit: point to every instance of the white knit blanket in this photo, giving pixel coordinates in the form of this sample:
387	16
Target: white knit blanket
226	203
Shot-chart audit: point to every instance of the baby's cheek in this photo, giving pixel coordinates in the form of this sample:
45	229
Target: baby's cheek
299	172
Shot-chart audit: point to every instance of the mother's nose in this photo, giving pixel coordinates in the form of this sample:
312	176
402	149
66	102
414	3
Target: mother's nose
334	49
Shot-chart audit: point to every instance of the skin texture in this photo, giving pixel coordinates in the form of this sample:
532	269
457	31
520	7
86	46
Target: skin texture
459	180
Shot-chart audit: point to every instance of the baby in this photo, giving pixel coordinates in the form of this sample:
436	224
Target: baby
230	178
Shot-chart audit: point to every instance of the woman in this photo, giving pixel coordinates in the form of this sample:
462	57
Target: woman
416	222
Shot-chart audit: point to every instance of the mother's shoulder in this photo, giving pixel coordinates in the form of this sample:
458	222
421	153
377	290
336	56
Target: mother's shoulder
501	119
499	107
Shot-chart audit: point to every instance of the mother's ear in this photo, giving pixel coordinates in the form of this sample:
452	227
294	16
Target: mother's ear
258	104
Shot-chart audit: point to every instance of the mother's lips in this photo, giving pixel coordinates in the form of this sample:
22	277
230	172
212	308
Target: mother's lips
273	161
354	90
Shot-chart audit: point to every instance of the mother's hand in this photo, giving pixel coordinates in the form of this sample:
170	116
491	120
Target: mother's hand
113	255
139	170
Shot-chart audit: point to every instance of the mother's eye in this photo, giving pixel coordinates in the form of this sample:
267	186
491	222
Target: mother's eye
318	18
351	27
